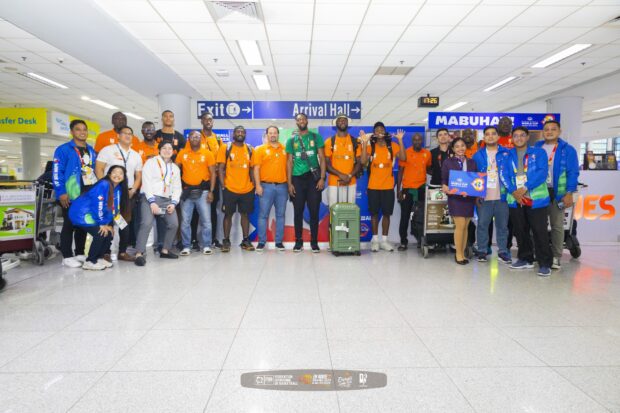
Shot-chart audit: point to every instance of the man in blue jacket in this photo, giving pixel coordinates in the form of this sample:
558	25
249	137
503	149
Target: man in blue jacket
72	174
493	207
525	179
561	182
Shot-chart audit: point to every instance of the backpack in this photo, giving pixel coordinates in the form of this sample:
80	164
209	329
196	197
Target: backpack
388	143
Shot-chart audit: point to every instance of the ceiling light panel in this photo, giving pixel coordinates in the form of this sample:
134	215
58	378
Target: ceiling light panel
183	11
501	83
262	82
42	79
608	108
564	54
251	53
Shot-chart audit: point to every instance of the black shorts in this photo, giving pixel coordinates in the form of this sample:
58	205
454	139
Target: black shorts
233	202
381	200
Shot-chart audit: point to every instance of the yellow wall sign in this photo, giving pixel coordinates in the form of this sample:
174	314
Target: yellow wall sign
61	121
23	120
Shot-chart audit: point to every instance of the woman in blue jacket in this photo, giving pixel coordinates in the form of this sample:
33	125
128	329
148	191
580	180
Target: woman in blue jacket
95	212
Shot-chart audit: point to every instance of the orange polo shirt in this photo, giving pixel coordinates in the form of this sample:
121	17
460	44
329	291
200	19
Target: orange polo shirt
195	165
145	151
110	137
342	157
238	166
272	162
382	175
469	152
209	143
506	142
414	172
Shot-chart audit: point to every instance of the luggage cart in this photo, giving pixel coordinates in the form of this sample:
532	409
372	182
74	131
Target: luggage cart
46	221
571	243
23	205
438	228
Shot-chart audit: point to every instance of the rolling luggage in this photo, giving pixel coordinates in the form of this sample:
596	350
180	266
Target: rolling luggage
344	227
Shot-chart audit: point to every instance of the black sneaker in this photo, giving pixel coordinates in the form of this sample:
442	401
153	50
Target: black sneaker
315	247
260	247
280	246
196	246
299	246
140	261
402	247
247	245
169	255
482	258
216	244
225	245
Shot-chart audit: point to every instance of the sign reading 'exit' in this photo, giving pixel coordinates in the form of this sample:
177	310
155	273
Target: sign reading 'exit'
279	109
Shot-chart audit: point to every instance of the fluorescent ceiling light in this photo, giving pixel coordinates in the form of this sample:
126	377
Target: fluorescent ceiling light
251	52
3	150
99	102
132	115
3	160
500	83
456	106
44	80
262	82
607	108
5	140
561	55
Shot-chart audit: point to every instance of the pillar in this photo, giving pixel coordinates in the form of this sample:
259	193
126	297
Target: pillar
180	105
570	109
31	158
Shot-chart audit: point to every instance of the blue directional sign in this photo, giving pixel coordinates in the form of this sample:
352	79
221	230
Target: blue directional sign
280	109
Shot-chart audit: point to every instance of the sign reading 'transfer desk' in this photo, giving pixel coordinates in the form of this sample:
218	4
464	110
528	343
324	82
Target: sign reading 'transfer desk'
279	109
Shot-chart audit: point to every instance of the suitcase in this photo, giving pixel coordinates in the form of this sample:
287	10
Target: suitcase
344	228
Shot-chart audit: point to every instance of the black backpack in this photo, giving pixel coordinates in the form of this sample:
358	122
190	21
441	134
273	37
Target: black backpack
229	149
355	144
373	143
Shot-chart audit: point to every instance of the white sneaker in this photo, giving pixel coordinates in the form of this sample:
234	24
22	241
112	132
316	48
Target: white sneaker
80	258
71	262
556	264
106	264
185	252
387	246
207	251
114	257
374	246
95	267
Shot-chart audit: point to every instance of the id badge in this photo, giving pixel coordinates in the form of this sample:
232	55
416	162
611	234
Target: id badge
521	180
491	183
88	176
120	221
549	180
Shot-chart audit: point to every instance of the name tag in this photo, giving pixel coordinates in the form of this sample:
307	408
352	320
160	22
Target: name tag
491	183
310	152
521	180
88	176
120	221
549	179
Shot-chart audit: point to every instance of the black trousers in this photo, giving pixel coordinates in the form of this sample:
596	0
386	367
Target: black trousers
406	206
306	193
68	234
99	245
531	224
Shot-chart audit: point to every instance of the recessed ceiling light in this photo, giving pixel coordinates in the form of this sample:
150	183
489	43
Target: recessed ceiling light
251	52
500	83
99	102
607	108
222	73
456	106
262	82
44	80
561	55
43	154
133	115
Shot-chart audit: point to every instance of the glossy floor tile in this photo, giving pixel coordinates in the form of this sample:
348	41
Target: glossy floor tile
177	336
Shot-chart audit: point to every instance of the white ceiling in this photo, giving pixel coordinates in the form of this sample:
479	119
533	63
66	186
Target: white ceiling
330	49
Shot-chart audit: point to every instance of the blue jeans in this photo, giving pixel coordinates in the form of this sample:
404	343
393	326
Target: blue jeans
204	212
273	194
486	212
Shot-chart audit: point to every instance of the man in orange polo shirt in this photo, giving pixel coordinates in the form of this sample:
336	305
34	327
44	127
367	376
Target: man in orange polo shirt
210	141
471	147
234	162
271	185
380	151
504	127
411	184
342	153
147	148
198	179
110	137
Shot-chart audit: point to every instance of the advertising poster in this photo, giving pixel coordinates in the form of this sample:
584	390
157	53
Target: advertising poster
18	221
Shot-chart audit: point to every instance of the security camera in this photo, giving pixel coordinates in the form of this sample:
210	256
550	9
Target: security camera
61	60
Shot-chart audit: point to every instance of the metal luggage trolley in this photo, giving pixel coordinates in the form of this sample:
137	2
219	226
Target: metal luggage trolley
438	224
25	210
571	243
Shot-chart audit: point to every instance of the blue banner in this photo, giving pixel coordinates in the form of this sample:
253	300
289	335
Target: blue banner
279	109
474	120
467	183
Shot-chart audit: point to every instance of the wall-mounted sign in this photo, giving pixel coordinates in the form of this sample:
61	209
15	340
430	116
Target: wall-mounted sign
475	120
23	120
279	109
428	101
61	121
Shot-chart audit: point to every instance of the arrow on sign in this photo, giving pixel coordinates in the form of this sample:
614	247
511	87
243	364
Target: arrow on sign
247	110
356	110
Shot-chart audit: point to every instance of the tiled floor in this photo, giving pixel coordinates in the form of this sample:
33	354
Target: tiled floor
176	336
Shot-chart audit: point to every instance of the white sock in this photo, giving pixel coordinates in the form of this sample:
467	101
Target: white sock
383	238
375	238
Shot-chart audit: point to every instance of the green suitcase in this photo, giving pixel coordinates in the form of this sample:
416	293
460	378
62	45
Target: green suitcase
344	229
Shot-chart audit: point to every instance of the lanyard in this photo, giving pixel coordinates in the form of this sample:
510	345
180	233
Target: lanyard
553	153
491	164
514	167
123	155
164	175
81	159
462	165
117	202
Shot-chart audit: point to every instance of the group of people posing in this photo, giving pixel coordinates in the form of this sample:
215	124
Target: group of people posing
138	187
